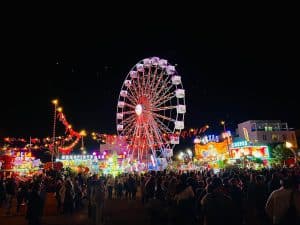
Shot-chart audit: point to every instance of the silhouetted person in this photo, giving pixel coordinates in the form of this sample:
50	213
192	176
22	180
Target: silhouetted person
34	207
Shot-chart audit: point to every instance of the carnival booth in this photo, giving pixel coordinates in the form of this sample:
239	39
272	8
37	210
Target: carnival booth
253	156
81	163
212	150
21	163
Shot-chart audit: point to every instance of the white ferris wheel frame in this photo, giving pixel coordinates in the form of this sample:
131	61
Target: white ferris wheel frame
151	108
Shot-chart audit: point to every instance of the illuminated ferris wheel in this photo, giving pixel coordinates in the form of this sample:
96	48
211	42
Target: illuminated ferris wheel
150	110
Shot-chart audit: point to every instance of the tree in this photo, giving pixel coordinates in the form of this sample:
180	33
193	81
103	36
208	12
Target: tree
280	153
113	165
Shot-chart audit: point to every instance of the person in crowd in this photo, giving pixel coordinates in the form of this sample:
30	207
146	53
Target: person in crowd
110	185
132	187
2	191
235	192
119	188
10	188
283	205
184	199
21	194
68	202
218	208
34	205
274	183
58	197
98	191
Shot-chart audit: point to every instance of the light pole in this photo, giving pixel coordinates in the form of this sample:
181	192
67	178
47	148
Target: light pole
97	137
226	136
55	103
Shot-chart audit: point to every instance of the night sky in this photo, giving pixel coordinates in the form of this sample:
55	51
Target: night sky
232	69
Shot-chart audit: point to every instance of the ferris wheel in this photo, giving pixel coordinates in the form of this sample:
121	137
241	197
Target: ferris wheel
150	110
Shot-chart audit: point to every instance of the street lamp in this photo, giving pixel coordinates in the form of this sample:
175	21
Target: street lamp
289	145
180	155
97	137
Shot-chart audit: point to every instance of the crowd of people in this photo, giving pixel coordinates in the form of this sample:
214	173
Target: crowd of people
233	196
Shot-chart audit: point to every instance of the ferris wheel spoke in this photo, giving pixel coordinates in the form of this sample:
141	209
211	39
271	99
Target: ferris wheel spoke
167	92
155	85
144	80
133	88
128	112
130	118
163	100
156	132
161	116
164	87
129	105
163	108
164	126
131	99
152	81
149	79
128	128
140	92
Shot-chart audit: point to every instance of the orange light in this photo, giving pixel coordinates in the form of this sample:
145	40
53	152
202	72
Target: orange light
55	101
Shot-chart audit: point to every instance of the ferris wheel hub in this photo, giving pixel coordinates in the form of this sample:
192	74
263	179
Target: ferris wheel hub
138	109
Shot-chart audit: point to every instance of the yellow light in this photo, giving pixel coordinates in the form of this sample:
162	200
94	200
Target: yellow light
191	130
93	133
288	144
59	109
207	126
94	138
83	133
55	101
70	126
222	122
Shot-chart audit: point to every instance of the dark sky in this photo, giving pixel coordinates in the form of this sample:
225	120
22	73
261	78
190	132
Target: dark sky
238	68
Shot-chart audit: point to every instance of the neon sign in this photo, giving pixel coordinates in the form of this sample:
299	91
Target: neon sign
210	138
239	144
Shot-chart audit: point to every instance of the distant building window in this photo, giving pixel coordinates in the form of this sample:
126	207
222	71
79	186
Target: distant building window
268	128
264	137
274	137
284	137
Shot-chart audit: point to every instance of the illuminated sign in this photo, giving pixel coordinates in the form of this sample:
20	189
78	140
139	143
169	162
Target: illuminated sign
239	144
210	138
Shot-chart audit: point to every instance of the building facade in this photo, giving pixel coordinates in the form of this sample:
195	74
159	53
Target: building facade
267	132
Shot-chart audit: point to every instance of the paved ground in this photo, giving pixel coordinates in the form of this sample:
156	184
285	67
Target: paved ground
115	212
